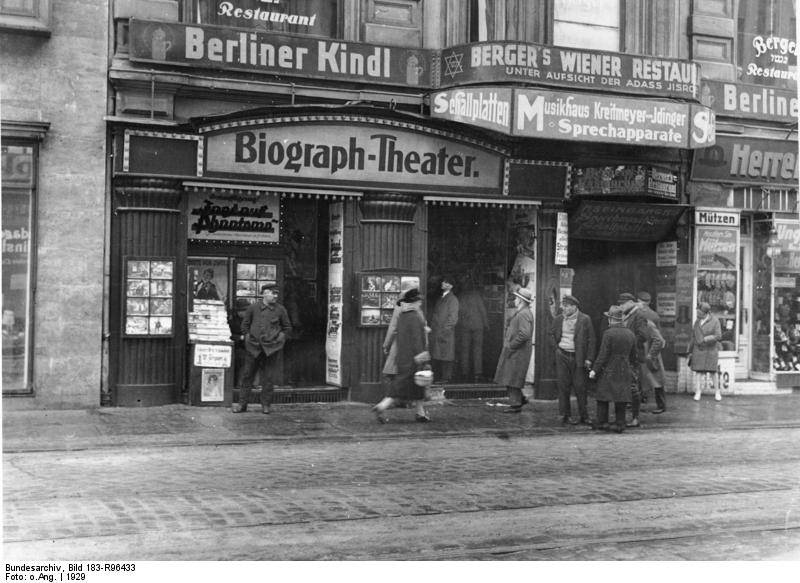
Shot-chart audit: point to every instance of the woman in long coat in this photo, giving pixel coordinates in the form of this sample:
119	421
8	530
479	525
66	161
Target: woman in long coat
516	355
410	341
614	368
704	350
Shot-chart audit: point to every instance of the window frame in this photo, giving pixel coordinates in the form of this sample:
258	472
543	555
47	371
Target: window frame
38	24
28	138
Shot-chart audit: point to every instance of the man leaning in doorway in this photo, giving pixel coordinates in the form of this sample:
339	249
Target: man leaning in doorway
443	334
652	370
265	327
576	347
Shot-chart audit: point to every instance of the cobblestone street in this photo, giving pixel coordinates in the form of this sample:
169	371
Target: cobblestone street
647	495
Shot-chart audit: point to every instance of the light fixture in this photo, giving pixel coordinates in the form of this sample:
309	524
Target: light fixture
773	246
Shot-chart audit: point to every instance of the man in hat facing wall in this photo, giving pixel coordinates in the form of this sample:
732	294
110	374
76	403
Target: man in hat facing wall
265	327
636	322
443	332
576	344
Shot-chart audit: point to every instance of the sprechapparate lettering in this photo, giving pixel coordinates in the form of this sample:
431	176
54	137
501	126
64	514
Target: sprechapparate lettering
256	148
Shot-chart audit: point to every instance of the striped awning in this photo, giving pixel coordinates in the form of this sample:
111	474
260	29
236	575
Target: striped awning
480	202
256	189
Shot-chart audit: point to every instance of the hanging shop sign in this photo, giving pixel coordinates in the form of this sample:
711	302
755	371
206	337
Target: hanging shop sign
363	155
750	101
601	118
635	180
749	161
667	254
486	107
788	233
505	62
232	49
621	221
768	57
252	217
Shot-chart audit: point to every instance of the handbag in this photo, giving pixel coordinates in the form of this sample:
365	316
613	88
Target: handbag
422	358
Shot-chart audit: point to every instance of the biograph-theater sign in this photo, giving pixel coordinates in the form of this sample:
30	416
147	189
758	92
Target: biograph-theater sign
346	153
749	161
578	117
493	62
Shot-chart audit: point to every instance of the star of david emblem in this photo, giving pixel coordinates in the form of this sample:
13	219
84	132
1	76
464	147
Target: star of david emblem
453	62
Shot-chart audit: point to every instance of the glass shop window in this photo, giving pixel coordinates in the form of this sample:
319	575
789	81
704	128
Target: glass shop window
18	208
312	17
767	43
587	24
496	20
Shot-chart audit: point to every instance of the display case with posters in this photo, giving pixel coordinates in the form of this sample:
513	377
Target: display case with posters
378	295
717	264
149	296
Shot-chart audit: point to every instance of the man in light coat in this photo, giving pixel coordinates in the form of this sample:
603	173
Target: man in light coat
443	332
517	347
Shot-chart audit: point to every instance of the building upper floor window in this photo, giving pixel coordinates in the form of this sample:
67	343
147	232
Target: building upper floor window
587	24
31	16
313	17
767	43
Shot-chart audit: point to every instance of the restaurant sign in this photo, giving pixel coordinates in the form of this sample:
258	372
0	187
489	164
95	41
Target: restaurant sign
229	49
768	57
625	180
345	153
493	62
749	161
750	101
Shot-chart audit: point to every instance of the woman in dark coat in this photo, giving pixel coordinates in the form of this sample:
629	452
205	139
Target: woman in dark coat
704	350
516	356
614	367
410	340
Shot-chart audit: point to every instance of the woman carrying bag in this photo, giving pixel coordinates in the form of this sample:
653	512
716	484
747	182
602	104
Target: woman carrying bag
704	350
411	356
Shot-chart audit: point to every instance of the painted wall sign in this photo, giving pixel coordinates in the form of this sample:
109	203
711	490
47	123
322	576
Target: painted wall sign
367	156
486	107
212	355
234	217
750	101
621	221
218	47
563	67
749	161
625	180
769	57
601	118
788	261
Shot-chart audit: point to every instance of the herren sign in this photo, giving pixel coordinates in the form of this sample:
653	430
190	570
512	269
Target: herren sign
352	154
748	160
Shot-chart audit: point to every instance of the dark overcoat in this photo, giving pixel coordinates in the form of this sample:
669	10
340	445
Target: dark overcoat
516	355
410	341
265	328
443	328
651	372
615	364
704	345
585	339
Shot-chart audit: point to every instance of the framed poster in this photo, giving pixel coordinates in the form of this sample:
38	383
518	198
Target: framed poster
378	295
208	279
212	383
252	275
149	296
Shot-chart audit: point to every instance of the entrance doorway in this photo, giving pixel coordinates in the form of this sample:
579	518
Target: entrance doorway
470	244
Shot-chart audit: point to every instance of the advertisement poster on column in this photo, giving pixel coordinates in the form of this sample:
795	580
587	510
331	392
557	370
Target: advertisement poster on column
333	341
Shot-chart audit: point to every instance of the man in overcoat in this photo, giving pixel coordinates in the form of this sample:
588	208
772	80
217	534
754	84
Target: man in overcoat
636	322
651	371
265	327
575	342
517	347
443	332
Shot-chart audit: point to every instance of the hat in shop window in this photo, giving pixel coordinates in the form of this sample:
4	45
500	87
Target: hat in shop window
626	297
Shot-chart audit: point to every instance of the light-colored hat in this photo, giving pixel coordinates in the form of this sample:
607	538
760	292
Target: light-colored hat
615	313
524	294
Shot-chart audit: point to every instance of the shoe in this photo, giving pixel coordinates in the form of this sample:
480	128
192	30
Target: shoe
266	409
658	411
239	408
717	396
422	418
633	423
381	419
619	428
525	400
697	396
514	409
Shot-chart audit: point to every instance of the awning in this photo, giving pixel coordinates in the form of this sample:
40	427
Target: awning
255	189
623	221
480	202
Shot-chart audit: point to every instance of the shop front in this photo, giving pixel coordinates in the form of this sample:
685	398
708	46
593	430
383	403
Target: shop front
343	211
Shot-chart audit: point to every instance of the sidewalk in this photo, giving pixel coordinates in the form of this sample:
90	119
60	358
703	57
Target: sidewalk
176	425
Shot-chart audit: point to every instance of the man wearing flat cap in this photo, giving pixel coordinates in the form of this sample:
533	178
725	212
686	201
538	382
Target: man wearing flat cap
576	346
265	327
